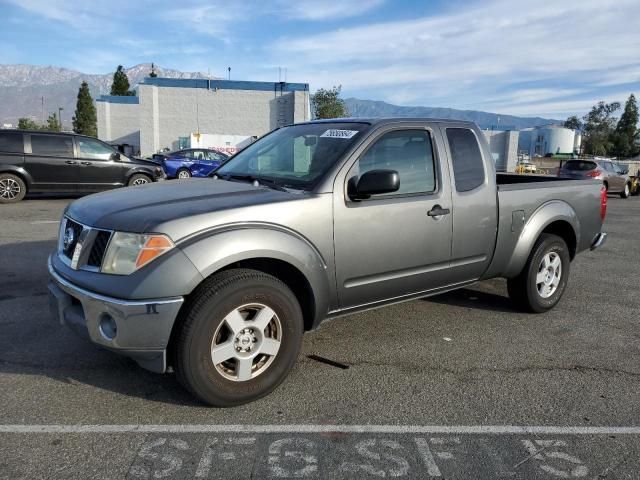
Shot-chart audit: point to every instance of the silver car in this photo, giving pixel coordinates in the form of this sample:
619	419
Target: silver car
614	177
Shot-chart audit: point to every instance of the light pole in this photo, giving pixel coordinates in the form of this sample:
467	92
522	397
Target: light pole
60	117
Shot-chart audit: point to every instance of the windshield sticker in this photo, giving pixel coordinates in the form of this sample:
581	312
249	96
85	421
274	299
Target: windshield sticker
334	133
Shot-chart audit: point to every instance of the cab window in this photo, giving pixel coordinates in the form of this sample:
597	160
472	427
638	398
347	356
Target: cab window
410	153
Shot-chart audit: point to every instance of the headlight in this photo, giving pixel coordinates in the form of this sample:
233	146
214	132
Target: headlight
127	252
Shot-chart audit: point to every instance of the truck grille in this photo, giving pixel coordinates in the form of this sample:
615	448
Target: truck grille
82	247
99	248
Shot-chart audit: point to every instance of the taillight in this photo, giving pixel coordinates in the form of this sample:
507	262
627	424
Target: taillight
594	173
603	202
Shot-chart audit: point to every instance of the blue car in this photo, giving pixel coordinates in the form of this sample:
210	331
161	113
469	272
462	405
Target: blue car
192	162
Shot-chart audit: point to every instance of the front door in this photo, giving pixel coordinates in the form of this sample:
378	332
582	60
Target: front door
99	166
388	246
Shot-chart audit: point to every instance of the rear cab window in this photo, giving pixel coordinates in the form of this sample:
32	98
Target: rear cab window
11	142
466	158
51	145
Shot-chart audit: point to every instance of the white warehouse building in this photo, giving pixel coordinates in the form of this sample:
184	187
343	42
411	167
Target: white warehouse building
548	139
172	113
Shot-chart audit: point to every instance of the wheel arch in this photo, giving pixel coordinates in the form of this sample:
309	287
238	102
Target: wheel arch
554	217
19	172
283	254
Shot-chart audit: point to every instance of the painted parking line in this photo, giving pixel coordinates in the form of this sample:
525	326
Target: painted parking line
304	428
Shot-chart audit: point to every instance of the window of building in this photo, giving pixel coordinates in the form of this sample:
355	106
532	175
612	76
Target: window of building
468	167
410	153
11	142
90	148
52	145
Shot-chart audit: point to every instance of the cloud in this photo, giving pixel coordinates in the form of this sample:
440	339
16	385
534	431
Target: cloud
318	10
466	56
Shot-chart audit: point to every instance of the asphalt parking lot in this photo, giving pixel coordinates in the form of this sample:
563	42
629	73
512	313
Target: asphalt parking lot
455	386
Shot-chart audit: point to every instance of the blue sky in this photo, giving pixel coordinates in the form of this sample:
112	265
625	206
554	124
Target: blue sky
548	58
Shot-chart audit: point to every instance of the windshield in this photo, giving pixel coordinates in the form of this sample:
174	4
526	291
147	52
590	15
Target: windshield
296	156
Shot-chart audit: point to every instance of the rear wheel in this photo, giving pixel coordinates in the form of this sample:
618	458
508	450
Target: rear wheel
12	188
626	191
240	337
139	179
184	173
543	279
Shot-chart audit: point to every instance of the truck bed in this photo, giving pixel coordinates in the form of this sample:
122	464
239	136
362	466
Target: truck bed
520	196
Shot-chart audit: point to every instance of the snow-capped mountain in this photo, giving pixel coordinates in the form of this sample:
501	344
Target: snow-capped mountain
23	87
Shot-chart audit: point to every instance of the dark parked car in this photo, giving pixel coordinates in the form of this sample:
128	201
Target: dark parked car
38	161
192	162
614	177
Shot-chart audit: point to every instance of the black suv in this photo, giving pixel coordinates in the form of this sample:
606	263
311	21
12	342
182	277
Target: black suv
38	161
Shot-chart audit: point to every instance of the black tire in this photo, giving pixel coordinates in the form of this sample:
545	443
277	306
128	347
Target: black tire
139	179
204	316
12	188
183	171
523	289
626	191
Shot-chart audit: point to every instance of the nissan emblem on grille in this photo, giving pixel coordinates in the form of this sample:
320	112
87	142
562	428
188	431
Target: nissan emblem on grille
69	237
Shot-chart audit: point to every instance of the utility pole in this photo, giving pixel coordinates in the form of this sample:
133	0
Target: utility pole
43	110
229	70
60	117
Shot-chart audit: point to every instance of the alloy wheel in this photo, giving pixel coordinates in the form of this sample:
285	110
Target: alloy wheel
549	273
9	189
246	342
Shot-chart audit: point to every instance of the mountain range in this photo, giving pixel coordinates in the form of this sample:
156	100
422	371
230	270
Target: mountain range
36	91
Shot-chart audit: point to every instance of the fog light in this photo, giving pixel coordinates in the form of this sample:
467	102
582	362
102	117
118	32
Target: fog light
107	326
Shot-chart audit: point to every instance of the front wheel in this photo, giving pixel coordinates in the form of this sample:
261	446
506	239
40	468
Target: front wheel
139	179
626	192
543	279
241	335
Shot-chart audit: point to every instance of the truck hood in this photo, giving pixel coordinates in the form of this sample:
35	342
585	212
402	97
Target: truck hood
142	208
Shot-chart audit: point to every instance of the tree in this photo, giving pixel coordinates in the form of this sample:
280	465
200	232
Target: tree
328	104
599	125
85	119
626	133
28	124
574	123
120	85
153	73
53	124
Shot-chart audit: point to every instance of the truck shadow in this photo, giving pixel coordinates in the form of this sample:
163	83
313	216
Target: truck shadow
33	343
476	299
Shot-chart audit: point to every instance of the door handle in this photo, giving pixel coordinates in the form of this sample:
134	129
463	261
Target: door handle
85	163
70	162
438	211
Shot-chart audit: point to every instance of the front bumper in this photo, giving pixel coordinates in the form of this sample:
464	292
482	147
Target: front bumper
143	327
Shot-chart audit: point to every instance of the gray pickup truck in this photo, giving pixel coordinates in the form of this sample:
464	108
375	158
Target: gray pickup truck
219	278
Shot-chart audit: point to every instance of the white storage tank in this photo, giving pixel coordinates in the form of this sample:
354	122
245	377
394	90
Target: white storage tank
554	139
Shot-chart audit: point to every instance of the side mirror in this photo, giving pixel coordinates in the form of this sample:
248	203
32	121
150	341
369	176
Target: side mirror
116	156
374	182
624	171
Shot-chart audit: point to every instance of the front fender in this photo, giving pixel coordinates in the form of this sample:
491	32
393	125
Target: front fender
226	245
544	216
